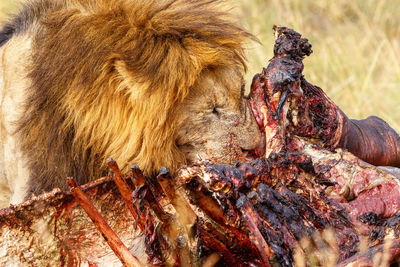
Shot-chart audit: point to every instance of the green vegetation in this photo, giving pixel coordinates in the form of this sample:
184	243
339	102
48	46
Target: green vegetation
356	45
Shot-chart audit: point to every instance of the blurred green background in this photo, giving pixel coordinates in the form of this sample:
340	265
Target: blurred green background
356	45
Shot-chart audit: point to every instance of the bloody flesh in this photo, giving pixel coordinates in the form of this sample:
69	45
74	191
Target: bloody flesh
284	103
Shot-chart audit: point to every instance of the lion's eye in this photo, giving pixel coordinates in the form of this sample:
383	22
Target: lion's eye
215	111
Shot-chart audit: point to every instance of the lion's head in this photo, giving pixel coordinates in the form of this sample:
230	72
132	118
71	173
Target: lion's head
151	82
191	104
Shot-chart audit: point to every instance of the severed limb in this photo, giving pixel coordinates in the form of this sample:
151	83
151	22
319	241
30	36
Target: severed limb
372	140
109	235
283	103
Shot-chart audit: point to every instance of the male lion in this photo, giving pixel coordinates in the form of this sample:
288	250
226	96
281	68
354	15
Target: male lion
151	82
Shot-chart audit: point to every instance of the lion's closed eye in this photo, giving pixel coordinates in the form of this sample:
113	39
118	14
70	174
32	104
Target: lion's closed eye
215	111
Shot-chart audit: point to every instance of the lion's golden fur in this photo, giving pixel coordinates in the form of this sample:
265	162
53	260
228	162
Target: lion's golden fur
108	77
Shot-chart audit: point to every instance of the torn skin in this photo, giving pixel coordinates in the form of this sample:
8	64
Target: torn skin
284	104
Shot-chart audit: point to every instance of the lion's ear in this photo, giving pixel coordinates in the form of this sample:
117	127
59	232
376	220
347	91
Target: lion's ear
172	77
126	83
172	64
159	65
174	41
